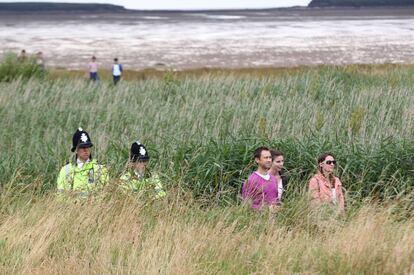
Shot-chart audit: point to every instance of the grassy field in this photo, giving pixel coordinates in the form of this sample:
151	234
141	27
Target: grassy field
201	129
125	234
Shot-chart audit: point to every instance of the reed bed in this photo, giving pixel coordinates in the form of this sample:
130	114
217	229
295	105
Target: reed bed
201	131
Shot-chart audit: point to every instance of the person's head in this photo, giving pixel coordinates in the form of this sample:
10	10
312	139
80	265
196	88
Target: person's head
93	58
83	153
138	156
263	157
115	60
278	160
81	144
23	52
326	163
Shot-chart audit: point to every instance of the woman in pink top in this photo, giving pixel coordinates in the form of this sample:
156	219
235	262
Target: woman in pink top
93	69
324	187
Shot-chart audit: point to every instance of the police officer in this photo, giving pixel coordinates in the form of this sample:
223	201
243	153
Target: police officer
138	178
83	174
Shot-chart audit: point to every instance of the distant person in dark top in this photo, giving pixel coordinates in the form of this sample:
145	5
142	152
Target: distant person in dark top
277	170
22	57
116	71
93	69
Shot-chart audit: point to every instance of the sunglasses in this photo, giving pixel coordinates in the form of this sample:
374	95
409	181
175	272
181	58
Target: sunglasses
329	162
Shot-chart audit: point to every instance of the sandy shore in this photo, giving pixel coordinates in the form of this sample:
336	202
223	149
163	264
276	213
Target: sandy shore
221	39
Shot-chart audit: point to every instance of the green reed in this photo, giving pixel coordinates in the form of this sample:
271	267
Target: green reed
201	131
11	68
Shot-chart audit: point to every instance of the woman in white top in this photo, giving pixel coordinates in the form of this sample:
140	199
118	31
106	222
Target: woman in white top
277	170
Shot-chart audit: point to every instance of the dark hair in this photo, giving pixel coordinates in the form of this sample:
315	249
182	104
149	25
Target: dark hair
116	59
276	153
321	159
323	156
258	151
93	57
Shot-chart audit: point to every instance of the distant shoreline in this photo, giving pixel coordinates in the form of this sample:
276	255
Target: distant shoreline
188	15
99	9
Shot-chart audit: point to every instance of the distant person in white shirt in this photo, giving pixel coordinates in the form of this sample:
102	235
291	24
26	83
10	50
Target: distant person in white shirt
116	71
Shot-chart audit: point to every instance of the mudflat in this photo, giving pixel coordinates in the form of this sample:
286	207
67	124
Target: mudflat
225	39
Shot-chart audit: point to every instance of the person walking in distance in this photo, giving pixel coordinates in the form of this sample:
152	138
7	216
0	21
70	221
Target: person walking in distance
22	57
116	71
93	69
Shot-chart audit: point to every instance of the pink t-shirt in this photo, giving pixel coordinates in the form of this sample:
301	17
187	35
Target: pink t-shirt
93	67
260	191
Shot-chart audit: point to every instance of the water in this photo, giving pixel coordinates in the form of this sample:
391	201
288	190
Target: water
194	40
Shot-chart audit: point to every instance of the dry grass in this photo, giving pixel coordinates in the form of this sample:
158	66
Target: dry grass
126	234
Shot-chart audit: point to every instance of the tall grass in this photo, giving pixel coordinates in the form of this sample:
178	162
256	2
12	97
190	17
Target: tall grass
201	131
12	68
123	234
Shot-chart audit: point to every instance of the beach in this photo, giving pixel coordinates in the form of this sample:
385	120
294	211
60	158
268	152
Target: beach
188	40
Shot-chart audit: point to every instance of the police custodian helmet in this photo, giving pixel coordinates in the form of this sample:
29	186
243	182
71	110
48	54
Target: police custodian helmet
138	152
81	139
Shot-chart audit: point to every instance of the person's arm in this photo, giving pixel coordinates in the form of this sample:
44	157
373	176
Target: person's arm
63	180
314	190
103	176
120	68
246	190
158	188
285	181
250	190
125	183
340	196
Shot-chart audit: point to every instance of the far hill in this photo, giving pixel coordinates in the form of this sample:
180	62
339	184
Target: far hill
360	3
58	7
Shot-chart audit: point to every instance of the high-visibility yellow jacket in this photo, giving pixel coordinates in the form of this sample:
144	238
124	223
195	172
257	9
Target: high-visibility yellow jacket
131	182
81	181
